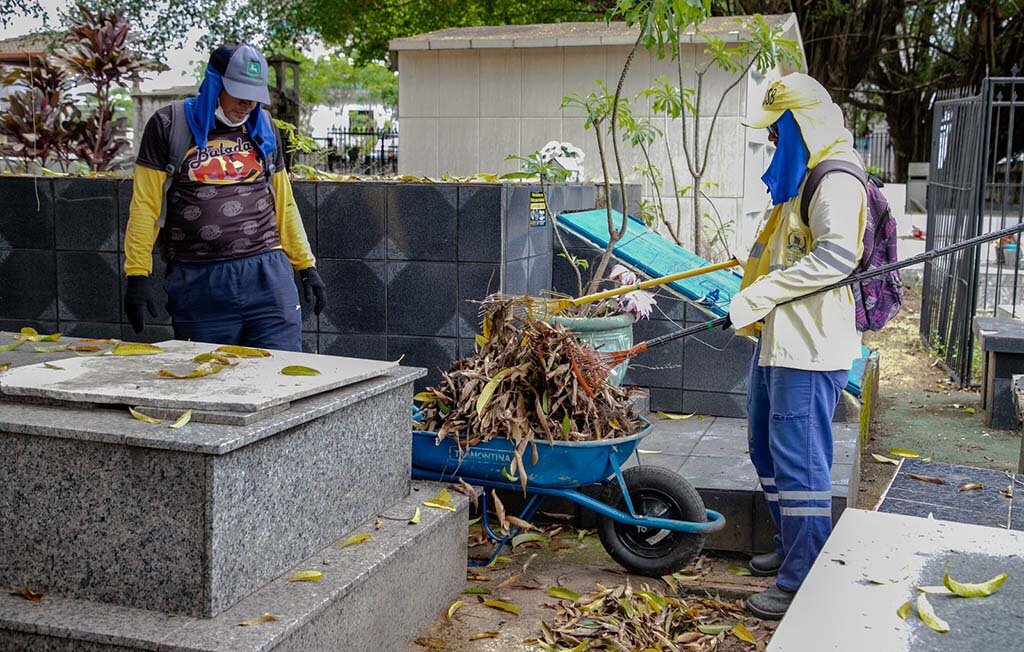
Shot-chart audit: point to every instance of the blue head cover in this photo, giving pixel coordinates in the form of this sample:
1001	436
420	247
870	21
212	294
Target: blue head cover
199	113
789	164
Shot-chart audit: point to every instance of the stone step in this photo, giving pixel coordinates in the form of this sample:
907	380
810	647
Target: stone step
373	596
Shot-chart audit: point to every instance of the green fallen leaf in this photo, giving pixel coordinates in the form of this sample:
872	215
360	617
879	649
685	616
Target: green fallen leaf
741	632
242	351
424	397
675	417
136	349
508	476
969	410
502	605
52	348
182	421
476	590
356	539
488	391
904	452
934	590
527	537
415	520
299	370
265	618
566	424
980	590
739	570
928	615
12	346
455	606
500	559
904	610
145	418
562	593
306	576
882	459
213	357
713	630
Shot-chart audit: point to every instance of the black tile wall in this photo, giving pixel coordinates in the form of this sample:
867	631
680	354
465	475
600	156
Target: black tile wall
538	282
26	221
356	296
667	400
517	222
516	279
29	287
479	233
661	366
306	201
422	299
89	286
717	361
715	403
15	325
351	220
476	281
422	222
86	214
370	347
94	329
432	353
151	333
124	205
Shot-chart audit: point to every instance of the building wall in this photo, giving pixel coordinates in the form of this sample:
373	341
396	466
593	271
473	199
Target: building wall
464	111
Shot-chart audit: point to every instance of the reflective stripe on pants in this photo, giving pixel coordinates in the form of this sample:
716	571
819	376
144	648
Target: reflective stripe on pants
789	416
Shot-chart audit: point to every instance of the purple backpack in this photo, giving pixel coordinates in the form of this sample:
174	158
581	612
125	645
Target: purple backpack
878	299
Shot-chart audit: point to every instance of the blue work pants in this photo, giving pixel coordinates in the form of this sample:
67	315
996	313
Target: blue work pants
789	414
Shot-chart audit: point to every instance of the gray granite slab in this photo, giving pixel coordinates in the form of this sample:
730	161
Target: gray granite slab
415	571
1000	334
836	609
116	426
250	385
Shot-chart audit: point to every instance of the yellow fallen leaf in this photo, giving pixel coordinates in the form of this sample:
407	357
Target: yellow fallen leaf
242	351
299	370
136	349
28	331
674	417
48	365
488	390
356	539
455	606
415	520
712	630
182	420
12	346
205	369
520	523
933	590
928	615
904	610
502	605
306	576
882	459
29	334
145	418
476	590
970	486
739	570
424	397
52	348
741	632
527	537
673	585
563	593
212	357
482	635
904	452
980	590
7	365
436	504
265	618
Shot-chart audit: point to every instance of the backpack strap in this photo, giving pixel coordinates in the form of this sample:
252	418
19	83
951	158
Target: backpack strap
268	164
815	176
179	140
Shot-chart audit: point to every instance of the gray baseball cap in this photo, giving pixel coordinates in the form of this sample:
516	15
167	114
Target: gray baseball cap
244	71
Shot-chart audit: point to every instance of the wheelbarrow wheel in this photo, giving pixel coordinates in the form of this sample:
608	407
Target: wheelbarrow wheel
657	492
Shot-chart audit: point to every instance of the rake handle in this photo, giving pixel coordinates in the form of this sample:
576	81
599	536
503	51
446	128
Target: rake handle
850	280
661	280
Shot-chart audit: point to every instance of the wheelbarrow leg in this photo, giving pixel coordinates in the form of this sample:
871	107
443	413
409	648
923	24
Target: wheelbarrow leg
532	505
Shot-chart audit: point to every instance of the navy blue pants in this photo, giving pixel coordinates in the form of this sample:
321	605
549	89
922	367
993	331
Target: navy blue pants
789	414
250	301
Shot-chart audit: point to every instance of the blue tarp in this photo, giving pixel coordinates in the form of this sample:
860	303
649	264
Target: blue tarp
655	255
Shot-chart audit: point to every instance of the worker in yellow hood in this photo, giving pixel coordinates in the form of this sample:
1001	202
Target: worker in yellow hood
805	349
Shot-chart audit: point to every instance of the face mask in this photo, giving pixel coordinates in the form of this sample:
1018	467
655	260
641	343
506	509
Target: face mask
219	113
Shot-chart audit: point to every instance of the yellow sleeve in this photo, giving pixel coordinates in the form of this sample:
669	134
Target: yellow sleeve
142	229
289	224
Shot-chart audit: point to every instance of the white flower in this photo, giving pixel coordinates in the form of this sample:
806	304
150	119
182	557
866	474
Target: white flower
638	302
623	275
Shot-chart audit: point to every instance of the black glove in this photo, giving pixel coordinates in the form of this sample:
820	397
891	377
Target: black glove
728	323
313	288
137	301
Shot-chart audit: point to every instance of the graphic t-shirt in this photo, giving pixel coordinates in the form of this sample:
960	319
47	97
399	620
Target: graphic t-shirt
219	206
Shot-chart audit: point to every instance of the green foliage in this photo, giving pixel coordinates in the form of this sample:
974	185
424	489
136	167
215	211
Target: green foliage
662	22
534	166
333	79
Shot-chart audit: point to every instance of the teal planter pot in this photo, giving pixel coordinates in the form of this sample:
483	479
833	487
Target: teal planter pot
604	334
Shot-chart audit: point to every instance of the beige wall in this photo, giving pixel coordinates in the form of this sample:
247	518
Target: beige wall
463	111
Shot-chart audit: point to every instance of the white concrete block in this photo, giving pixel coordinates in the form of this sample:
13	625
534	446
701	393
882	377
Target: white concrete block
501	82
716	82
637	79
725	156
457	149
499	137
417	84
419	147
458	83
542	82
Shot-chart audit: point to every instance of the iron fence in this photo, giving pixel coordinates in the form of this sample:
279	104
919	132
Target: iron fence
975	185
356	152
877	151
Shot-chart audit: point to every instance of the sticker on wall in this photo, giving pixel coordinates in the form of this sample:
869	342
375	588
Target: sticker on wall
538	209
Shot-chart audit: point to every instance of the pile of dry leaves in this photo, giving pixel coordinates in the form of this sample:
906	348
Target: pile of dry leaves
519	384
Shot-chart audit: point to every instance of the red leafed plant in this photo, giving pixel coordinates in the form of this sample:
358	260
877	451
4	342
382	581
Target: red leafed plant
41	117
97	51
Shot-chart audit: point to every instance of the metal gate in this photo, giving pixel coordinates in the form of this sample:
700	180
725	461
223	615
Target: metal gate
975	185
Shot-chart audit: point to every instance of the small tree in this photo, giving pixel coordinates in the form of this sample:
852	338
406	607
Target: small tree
41	118
96	51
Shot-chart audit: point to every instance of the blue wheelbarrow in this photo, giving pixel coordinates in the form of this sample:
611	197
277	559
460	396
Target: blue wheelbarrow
653	522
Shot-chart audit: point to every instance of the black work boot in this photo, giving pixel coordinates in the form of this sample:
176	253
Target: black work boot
766	564
770	604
